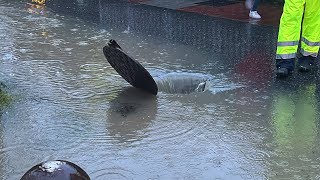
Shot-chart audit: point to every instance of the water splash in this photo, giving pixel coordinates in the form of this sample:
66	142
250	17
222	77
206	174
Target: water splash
181	83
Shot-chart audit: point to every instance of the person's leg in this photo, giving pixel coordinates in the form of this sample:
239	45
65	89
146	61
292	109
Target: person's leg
289	36
310	39
255	5
249	4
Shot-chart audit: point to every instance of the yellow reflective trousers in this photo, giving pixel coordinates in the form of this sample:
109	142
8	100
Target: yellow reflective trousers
297	16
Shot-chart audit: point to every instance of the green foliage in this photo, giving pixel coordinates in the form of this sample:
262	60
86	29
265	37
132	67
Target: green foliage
4	99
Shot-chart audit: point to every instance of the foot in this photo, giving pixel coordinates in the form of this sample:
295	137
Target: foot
284	67
306	63
282	72
254	15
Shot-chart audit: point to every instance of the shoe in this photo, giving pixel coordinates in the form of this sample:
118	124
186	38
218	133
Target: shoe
284	67
254	15
306	63
249	4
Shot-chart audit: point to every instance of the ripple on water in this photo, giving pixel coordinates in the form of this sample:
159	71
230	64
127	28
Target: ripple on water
99	137
131	111
81	93
43	74
68	49
92	67
44	21
167	134
110	173
82	43
56	42
262	156
4	150
58	136
178	126
9	56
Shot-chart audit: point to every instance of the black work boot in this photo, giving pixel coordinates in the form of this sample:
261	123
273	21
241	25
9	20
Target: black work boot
306	63
284	67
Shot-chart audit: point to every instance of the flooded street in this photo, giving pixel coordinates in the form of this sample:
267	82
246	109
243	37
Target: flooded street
69	103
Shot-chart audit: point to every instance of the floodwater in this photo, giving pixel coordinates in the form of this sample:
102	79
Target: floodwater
68	102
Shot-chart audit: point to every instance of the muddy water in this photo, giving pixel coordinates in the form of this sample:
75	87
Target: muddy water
68	103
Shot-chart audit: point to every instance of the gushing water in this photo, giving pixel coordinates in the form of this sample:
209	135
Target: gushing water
183	83
213	118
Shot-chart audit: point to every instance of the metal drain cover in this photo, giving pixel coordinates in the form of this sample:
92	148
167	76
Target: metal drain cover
129	69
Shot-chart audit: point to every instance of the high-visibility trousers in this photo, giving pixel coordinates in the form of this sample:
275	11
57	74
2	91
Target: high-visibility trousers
297	16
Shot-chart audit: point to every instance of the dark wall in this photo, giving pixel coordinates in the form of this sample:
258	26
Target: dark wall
229	39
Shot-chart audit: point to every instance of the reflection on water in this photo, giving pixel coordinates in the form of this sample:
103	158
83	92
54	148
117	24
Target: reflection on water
295	119
70	104
37	9
2	159
41	2
130	113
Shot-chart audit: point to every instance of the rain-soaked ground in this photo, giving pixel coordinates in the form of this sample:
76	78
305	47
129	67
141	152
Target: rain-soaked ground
69	103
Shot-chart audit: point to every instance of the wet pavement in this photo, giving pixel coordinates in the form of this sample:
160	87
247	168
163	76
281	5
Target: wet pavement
69	103
227	9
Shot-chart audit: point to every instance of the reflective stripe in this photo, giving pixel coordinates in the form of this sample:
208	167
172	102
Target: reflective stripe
285	56
288	43
305	53
309	43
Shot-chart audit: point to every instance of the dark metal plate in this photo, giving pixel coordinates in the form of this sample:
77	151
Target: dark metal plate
131	70
54	170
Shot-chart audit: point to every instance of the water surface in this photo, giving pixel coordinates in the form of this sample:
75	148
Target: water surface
70	104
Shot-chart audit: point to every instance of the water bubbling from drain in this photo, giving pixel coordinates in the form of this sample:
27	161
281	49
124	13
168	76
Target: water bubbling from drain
182	83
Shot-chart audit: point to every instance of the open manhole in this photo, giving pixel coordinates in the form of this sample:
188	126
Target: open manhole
136	75
182	83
